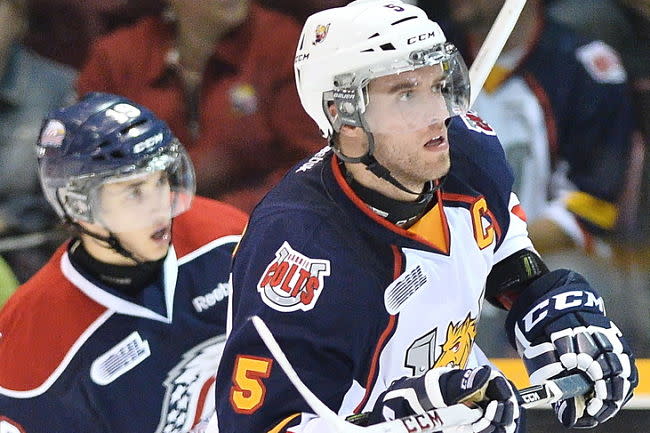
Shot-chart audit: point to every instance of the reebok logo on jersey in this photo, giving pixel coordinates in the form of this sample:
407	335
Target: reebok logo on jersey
292	281
318	157
210	299
123	357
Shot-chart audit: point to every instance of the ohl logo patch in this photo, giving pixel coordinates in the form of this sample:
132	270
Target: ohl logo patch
293	281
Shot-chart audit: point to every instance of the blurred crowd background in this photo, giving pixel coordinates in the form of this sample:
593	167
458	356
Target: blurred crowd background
220	72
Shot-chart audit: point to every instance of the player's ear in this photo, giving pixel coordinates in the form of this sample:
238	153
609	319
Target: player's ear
351	131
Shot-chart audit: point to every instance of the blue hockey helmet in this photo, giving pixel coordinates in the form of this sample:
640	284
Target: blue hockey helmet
105	138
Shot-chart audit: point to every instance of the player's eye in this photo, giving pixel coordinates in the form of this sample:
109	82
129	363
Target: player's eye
134	193
406	95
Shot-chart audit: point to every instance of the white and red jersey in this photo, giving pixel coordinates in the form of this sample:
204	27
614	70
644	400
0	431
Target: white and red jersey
355	301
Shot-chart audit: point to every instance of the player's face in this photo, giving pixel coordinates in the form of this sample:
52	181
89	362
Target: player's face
138	212
406	113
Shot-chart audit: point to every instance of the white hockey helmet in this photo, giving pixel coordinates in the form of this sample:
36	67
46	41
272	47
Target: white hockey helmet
342	49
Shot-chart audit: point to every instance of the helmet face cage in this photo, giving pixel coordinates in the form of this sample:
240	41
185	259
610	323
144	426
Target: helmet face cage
352	99
81	197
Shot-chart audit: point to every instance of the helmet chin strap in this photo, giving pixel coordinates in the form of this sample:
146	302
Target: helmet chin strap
375	167
112	241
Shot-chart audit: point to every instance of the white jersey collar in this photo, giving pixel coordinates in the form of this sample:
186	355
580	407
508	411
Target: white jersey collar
120	305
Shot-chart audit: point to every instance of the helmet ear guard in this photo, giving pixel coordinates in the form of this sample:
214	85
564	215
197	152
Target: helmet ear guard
74	204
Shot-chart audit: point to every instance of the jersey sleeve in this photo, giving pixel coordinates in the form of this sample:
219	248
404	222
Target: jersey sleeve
48	412
479	159
290	272
516	237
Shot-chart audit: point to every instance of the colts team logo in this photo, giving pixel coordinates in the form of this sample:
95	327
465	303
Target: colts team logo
321	33
293	281
454	352
190	388
53	134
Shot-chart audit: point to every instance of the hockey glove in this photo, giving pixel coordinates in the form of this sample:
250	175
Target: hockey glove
559	327
443	387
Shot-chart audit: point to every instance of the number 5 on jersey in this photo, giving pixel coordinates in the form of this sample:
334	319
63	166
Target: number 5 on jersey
248	391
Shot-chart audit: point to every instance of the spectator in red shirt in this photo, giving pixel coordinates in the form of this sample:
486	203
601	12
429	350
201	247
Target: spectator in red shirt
220	73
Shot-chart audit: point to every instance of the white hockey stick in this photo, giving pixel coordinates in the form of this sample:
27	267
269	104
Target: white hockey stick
431	421
492	46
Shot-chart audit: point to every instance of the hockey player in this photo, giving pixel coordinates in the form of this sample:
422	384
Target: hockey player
369	262
123	328
570	164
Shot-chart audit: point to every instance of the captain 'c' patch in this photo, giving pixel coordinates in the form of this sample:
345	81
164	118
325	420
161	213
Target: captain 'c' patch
293	281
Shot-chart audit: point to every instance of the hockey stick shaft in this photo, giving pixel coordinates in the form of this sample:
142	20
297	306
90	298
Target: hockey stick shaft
552	391
431	421
492	46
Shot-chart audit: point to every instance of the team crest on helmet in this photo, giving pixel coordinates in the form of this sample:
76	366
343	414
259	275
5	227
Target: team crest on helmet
52	135
321	33
293	281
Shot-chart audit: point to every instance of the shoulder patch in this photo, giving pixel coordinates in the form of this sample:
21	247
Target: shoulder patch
602	63
475	123
293	281
123	357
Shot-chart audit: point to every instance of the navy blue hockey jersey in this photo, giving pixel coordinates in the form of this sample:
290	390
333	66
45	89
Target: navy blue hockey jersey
75	357
355	301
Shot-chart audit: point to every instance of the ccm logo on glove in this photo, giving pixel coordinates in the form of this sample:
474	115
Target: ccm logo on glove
562	301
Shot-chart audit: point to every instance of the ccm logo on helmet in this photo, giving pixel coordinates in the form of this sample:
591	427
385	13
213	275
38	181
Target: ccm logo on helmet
562	301
148	143
418	38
